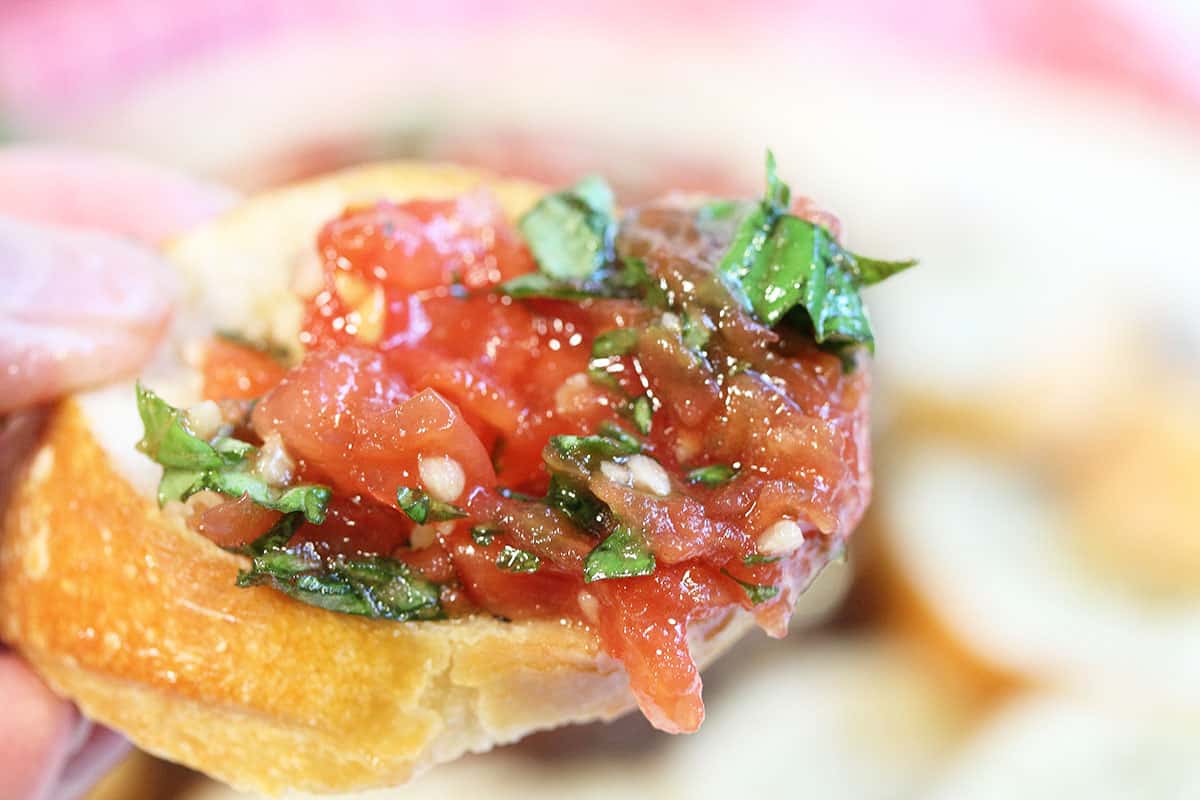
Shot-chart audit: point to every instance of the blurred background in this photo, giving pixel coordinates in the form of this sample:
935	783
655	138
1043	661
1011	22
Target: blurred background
1021	610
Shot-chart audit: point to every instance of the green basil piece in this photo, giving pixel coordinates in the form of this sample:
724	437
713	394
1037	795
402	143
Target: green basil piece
589	448
309	499
516	560
422	508
712	475
612	430
759	558
167	440
778	262
484	535
376	587
512	494
600	376
624	554
757	593
571	233
695	333
192	465
573	499
629	279
617	342
642	411
533	285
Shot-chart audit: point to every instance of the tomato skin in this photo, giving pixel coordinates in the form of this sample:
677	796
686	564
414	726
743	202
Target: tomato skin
235	371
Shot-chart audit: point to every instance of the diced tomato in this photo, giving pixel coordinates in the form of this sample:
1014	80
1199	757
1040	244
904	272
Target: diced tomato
411	355
236	522
358	526
427	244
349	416
515	595
644	623
678	527
432	562
234	371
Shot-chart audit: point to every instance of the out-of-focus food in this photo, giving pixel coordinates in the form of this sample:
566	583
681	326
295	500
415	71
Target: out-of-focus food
1045	747
1055	540
143	777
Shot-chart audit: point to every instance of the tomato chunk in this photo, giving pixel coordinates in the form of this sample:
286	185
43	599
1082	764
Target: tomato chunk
234	371
349	417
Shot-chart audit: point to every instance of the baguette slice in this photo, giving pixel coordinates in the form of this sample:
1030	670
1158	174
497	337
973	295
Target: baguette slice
125	610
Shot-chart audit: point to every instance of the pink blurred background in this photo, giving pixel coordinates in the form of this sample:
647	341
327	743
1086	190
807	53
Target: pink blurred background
59	58
1042	158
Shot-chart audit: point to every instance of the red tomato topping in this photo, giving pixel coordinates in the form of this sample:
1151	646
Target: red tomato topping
418	375
235	371
350	418
235	522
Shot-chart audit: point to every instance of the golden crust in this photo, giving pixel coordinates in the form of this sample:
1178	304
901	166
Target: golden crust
125	610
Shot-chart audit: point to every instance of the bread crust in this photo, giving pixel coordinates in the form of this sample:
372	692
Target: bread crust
124	609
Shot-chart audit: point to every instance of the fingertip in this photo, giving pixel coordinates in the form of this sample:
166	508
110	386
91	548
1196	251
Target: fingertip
105	191
36	730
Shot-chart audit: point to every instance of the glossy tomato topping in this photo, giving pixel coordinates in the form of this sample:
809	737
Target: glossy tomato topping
420	378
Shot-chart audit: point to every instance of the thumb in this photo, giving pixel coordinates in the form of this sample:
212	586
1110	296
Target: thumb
79	308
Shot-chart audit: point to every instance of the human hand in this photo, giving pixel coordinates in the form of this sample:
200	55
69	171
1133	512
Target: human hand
85	299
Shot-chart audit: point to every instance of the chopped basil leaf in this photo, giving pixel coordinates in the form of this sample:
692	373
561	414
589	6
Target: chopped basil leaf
516	560
759	558
601	376
623	554
422	508
540	285
695	332
626	279
588	448
581	506
627	440
757	593
571	233
192	465
233	447
616	342
484	534
371	586
642	411
778	262
712	475
180	484
635	276
167	440
312	500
